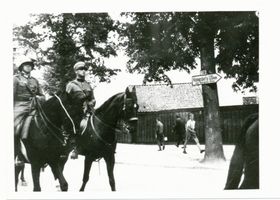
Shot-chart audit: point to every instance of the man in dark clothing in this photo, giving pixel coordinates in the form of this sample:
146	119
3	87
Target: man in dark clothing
81	94
26	89
179	130
27	92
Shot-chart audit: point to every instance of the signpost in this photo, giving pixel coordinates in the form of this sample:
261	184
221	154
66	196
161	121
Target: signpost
205	79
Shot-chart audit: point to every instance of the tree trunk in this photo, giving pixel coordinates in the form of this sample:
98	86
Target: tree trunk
212	125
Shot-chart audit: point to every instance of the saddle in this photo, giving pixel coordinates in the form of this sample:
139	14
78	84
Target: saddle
23	127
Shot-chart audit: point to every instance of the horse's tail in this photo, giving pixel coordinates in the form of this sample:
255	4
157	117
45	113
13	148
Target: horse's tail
237	161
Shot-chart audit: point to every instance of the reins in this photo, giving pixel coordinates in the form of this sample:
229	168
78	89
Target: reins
47	122
67	114
105	124
96	132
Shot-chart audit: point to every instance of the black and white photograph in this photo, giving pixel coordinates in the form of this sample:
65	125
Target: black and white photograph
112	101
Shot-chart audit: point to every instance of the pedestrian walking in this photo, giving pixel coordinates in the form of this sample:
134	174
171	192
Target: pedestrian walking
159	135
179	130
191	133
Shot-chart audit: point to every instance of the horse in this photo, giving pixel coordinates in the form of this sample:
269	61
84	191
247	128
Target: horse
47	142
245	157
98	139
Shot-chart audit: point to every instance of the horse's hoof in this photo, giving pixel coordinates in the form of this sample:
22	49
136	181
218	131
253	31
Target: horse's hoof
24	183
64	188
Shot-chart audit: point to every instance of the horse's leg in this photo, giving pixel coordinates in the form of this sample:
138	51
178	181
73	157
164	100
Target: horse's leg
23	181
17	171
110	163
35	168
87	167
57	170
22	174
17	164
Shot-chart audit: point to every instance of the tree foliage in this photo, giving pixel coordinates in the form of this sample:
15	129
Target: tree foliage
159	42
71	37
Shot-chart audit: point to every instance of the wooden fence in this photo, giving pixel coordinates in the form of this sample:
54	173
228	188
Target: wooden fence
231	121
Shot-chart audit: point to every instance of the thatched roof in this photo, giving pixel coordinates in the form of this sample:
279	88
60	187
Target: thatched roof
160	97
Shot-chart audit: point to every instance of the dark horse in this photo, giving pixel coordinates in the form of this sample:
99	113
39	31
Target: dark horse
46	142
245	157
98	140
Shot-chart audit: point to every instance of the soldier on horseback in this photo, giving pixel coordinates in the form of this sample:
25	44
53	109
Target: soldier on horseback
26	91
81	95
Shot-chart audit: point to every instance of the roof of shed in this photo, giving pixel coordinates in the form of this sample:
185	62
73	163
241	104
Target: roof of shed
158	97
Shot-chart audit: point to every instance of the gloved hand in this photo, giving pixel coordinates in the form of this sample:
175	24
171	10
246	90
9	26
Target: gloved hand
91	103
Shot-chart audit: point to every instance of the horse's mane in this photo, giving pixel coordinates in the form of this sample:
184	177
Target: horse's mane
52	102
108	103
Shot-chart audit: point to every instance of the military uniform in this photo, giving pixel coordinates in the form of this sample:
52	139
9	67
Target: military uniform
82	102
25	89
81	95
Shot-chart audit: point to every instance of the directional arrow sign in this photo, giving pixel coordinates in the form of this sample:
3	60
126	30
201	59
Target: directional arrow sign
205	79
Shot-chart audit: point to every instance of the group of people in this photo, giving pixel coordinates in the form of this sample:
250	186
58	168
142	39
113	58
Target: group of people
183	132
28	93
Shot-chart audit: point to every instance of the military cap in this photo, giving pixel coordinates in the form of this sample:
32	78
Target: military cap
79	65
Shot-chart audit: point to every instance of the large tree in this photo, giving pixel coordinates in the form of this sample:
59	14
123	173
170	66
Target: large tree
70	37
228	41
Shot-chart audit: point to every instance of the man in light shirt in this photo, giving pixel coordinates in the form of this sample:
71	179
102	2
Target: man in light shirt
159	134
190	133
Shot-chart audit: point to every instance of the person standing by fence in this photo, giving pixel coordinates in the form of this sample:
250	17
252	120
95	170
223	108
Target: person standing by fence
159	134
190	133
179	130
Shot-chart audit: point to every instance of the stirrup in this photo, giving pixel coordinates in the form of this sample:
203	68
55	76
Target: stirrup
18	163
74	155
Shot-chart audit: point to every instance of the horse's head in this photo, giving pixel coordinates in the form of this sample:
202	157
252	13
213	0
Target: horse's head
130	108
120	107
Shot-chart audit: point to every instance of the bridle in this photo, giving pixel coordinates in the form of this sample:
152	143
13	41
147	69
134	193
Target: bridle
124	108
110	127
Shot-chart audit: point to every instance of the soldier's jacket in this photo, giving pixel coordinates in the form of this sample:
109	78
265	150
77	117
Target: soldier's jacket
25	88
80	91
83	101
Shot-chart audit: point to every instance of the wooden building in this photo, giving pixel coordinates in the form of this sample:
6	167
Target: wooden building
165	102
